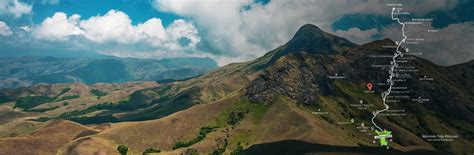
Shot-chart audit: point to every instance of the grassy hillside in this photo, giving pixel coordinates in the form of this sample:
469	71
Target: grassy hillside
47	139
281	119
285	101
69	101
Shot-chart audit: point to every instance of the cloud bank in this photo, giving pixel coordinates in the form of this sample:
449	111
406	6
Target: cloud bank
247	29
227	31
115	27
446	46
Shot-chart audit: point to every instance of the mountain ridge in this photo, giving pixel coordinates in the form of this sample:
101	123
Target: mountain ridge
261	104
26	71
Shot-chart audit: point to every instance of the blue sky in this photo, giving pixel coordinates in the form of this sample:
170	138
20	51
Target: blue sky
138	10
227	31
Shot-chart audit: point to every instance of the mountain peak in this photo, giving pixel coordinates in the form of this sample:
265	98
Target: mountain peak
311	39
308	28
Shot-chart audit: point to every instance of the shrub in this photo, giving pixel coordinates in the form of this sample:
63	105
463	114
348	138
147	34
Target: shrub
65	90
98	93
151	150
236	116
122	149
202	134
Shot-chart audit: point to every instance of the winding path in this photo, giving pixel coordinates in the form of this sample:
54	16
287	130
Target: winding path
393	64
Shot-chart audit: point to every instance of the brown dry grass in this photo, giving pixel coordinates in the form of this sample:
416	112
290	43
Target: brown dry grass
45	140
88	145
18	128
164	132
116	93
286	121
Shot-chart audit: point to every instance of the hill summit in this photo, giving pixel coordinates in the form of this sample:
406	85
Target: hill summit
311	39
303	97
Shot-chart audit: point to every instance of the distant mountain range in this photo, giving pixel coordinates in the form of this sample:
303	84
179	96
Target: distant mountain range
26	71
281	103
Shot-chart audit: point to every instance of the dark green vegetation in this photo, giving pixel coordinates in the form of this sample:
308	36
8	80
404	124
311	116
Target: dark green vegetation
75	115
29	102
137	100
65	90
236	116
220	150
230	118
122	149
240	110
159	102
32	101
98	93
151	150
202	134
287	86
157	106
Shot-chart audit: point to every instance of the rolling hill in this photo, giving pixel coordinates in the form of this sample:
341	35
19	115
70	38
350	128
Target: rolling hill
27	71
286	101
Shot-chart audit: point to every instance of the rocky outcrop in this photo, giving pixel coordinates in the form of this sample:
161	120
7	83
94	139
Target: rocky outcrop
291	76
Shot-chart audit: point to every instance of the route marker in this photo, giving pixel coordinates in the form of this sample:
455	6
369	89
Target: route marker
369	86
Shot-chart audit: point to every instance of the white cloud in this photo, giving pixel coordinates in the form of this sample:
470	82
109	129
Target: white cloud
115	34
245	29
220	20
113	26
450	45
181	29
58	27
232	30
14	7
5	30
152	28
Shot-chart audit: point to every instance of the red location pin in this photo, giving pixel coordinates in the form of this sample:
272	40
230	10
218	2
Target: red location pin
369	86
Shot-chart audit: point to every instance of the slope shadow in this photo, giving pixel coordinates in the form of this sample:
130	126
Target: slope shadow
293	147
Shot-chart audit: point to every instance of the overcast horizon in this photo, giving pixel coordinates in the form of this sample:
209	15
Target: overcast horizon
226	31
